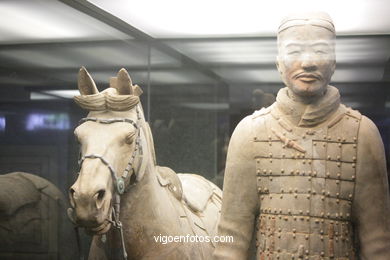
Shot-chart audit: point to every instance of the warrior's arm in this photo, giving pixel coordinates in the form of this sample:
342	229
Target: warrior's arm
371	205
240	199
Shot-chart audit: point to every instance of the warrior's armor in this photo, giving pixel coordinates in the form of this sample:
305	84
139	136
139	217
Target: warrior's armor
316	190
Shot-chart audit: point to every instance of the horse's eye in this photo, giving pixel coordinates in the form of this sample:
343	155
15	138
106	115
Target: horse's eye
130	138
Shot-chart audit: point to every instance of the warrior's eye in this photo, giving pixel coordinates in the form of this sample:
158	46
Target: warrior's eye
130	138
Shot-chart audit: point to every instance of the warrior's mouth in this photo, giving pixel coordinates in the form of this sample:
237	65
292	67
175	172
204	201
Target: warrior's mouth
307	77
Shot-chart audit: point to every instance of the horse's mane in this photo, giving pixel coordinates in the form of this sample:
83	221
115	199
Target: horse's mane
109	99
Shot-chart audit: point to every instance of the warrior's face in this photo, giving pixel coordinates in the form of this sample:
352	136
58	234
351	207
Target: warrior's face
306	59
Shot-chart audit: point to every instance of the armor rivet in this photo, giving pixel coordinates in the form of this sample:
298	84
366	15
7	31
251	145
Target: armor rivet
258	171
281	196
309	178
339	175
258	160
354	158
307	212
290	190
328	174
353	177
285	218
328	214
296	189
322	197
304	136
280	211
295	195
282	170
339	138
289	211
321	232
337	181
322	238
322	214
323	192
294	230
308	190
303	173
297	172
348	215
338	157
300	212
344	139
329	193
255	138
324	136
283	155
294	235
270	160
307	237
270	143
324	144
353	165
314	173
303	162
317	221
309	161
338	164
270	155
337	201
314	192
315	144
281	190
354	138
339	144
279	229
269	137
350	196
264	170
292	172
270	197
270	178
329	157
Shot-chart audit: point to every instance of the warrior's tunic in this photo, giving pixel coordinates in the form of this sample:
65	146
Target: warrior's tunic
315	190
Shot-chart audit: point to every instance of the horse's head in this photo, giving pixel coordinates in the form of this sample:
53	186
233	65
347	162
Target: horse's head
113	156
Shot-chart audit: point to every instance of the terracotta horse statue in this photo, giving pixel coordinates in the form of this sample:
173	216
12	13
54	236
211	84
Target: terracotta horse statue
129	204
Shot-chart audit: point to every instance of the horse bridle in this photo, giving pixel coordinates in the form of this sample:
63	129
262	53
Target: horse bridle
119	181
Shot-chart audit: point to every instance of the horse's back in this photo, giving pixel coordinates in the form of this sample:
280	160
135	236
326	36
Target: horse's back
203	198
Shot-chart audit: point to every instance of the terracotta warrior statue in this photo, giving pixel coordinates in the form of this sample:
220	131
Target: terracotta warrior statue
306	177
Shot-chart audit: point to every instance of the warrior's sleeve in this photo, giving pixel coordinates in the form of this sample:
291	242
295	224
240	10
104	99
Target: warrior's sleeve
371	206
240	201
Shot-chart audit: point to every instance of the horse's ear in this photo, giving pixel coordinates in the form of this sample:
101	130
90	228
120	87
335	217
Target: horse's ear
85	83
123	83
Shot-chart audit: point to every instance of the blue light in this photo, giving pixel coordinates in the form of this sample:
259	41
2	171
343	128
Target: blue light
2	123
40	121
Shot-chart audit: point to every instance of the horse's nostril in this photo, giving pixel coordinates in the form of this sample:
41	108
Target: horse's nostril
100	194
71	197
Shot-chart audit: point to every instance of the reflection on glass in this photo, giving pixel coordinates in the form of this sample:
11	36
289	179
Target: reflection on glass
38	121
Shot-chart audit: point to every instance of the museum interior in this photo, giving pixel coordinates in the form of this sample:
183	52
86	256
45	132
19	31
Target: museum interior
202	66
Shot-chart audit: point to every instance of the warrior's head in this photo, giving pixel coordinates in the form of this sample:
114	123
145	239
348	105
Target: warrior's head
306	53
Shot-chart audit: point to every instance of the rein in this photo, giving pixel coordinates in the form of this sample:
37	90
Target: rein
120	186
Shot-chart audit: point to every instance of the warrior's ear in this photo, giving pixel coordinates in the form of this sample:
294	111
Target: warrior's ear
123	85
85	83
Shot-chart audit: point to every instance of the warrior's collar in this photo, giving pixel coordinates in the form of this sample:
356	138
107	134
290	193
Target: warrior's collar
314	113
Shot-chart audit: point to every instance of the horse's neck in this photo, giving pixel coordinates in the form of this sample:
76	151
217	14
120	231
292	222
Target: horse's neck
147	204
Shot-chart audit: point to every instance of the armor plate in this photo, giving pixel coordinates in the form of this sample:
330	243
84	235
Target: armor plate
306	180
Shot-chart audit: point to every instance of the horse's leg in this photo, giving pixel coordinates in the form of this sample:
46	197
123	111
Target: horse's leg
96	251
